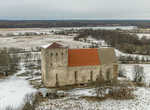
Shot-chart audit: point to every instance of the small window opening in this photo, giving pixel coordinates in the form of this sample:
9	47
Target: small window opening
57	83
108	74
76	76
51	54
91	75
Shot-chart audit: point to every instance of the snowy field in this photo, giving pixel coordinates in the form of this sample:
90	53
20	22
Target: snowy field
13	91
141	102
99	27
49	30
119	53
17	31
37	41
141	35
74	102
14	88
27	41
129	71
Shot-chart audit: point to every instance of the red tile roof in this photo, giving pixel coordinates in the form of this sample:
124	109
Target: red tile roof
56	45
83	57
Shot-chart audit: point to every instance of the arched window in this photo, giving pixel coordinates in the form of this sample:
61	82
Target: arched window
56	54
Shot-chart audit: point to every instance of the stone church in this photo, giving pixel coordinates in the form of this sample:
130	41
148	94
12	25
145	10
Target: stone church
64	66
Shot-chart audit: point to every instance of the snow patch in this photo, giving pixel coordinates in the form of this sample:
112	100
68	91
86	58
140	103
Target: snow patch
13	91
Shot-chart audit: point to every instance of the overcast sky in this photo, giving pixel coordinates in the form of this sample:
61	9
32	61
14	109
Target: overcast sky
74	9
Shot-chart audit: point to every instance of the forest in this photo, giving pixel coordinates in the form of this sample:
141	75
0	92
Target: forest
126	42
71	23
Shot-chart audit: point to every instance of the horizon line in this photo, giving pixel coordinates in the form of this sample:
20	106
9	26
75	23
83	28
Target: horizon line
74	19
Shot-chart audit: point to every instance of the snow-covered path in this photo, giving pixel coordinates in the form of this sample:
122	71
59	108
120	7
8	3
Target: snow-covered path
13	91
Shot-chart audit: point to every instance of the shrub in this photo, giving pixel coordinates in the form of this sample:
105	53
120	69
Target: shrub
31	100
122	71
28	102
115	92
122	93
138	74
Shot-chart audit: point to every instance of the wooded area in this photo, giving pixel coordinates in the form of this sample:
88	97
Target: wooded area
128	43
71	23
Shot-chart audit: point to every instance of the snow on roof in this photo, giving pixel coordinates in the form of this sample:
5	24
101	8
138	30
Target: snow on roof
46	46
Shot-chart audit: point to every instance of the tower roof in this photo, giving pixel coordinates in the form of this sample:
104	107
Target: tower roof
56	45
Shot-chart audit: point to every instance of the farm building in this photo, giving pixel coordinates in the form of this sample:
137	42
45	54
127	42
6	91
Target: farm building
64	66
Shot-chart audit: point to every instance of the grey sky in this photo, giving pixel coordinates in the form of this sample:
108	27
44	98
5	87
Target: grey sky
74	9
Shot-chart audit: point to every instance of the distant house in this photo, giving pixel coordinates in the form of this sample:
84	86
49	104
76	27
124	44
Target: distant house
63	66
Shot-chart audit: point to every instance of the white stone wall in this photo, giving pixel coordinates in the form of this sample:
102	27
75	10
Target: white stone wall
55	70
84	73
54	62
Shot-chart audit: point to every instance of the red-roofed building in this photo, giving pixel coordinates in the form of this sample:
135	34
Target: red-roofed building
83	57
63	66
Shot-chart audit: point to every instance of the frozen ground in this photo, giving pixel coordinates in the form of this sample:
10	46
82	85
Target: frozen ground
28	42
36	41
23	30
99	27
119	53
13	90
141	102
141	35
129	71
74	102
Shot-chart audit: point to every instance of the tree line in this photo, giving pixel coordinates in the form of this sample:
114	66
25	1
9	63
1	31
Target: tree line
8	62
126	42
71	23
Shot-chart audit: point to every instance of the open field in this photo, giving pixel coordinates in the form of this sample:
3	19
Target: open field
28	42
27	79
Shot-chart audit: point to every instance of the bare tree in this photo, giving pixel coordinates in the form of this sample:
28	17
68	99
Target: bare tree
122	71
138	73
100	91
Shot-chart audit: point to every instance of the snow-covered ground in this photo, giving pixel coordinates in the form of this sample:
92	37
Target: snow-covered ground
21	31
13	90
27	41
119	53
141	35
74	102
37	41
141	102
99	27
48	30
129	71
100	43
